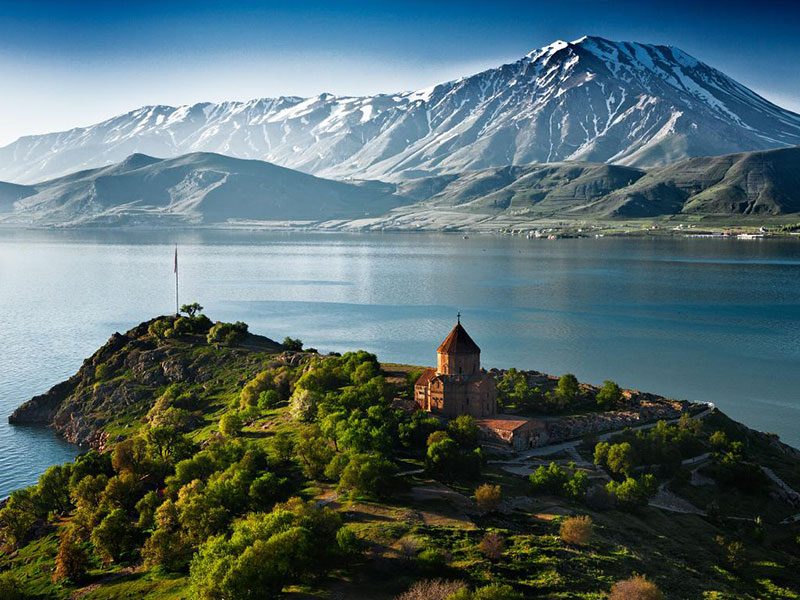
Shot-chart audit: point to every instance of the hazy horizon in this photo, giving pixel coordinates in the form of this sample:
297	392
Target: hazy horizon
78	63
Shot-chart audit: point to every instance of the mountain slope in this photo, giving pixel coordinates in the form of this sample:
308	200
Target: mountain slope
588	100
765	183
194	189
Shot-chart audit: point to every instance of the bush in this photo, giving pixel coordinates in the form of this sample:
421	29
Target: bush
494	591
488	497
432	560
434	589
349	542
10	587
576	531
492	545
635	588
227	333
230	424
72	562
293	345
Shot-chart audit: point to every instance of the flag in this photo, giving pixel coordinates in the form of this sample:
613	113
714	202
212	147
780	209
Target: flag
176	260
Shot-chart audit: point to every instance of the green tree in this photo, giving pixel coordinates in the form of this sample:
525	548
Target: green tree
314	451
567	388
464	430
191	309
230	424
113	538
621	458
18	516
610	395
293	345
369	474
633	493
52	491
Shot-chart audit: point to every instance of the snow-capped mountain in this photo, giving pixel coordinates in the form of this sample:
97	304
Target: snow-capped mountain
590	100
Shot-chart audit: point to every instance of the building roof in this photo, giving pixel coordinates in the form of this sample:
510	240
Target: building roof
458	342
426	376
509	422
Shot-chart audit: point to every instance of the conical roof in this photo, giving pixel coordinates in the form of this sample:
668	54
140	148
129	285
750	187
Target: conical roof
458	342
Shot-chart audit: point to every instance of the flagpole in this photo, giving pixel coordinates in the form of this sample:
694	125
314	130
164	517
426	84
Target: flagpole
177	312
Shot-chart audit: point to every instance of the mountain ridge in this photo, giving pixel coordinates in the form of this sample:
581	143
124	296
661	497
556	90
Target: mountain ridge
212	189
591	100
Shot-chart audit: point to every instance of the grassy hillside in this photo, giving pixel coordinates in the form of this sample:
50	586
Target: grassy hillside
228	466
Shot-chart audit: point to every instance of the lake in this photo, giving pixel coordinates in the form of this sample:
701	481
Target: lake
702	319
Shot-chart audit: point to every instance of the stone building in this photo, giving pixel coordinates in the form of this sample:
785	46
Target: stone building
458	385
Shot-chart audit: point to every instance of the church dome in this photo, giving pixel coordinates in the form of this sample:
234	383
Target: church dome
458	342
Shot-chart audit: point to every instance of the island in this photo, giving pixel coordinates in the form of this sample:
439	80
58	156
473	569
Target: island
221	464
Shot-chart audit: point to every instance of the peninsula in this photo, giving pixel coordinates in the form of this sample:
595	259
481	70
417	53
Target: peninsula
223	464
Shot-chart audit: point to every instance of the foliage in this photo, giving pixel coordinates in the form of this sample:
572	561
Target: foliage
18	516
632	493
492	545
576	531
230	424
368	474
265	552
227	334
447	459
567	388
494	591
72	560
113	539
610	395
191	309
464	430
433	589
488	497
554	479
635	588
293	345
10	587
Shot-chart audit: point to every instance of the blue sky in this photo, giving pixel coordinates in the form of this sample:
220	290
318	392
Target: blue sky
66	64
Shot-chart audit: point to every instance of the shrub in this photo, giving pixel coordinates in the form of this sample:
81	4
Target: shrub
494	591
409	547
10	587
303	404
433	589
227	333
72	561
293	345
464	430
576	531
349	542
432	560
230	424
635	588
492	545
488	497
160	329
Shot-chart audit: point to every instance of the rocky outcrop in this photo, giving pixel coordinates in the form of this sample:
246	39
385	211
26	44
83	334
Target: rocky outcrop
126	376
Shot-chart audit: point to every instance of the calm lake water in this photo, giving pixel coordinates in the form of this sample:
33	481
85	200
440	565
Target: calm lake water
712	320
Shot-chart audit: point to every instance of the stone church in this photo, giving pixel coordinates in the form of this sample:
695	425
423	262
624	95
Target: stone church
458	385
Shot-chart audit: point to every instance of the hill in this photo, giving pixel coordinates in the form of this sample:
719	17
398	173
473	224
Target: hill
194	189
224	465
592	100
